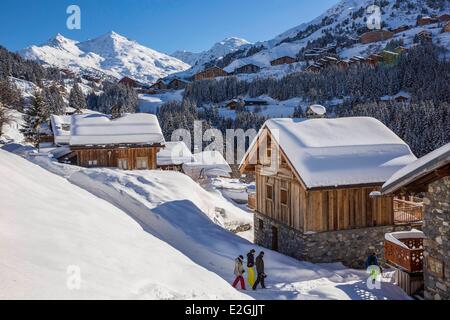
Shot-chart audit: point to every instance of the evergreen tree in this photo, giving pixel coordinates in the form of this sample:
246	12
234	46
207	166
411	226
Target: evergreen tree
77	99
5	117
10	96
54	101
34	117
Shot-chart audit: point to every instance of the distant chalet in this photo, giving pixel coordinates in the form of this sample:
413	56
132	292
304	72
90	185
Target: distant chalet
375	36
283	60
211	73
248	68
130	142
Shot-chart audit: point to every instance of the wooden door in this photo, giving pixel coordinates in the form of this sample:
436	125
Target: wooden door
274	238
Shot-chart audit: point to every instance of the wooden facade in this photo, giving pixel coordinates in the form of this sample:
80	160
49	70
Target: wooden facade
211	73
177	84
375	36
125	158
283	60
446	27
282	196
248	68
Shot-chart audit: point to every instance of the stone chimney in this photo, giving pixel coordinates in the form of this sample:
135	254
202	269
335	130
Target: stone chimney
316	111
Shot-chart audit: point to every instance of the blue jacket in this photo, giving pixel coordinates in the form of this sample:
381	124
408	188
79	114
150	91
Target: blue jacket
371	261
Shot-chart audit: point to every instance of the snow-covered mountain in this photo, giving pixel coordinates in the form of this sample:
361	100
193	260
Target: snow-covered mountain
110	54
217	51
186	56
343	22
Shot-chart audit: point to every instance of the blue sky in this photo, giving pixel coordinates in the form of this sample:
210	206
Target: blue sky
164	25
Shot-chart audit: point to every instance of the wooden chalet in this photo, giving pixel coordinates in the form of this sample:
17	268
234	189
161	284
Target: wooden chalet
314	68
248	68
446	27
343	64
316	176
428	177
375	36
423	21
402	97
283	60
161	84
399	29
255	102
390	57
127	81
235	104
425	36
211	73
177	84
444	17
130	142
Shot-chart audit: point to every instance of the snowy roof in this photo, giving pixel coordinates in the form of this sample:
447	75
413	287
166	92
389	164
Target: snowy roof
174	153
339	152
207	162
417	169
318	109
396	237
61	128
97	129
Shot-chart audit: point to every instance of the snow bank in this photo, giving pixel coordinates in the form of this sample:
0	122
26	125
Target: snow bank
178	211
61	226
97	129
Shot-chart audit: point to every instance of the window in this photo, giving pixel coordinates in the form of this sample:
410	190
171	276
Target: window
141	163
122	164
269	192
65	127
284	197
92	163
269	148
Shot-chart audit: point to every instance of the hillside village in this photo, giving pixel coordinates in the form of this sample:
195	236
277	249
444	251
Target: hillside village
350	158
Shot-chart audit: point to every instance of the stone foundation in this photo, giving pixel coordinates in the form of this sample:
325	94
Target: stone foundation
351	247
437	244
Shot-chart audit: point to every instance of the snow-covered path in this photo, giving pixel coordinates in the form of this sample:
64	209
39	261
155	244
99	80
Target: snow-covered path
53	233
175	209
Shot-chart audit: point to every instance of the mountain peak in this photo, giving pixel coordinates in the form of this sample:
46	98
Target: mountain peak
59	41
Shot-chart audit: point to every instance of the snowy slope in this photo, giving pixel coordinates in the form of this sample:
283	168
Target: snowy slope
111	54
217	51
61	225
173	208
345	19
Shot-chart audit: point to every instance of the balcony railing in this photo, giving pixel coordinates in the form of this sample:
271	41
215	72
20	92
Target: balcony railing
406	254
408	211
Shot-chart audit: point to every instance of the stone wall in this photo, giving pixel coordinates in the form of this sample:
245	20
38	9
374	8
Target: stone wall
351	247
437	245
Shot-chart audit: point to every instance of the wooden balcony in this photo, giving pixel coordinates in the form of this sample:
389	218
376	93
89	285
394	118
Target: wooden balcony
406	254
408	211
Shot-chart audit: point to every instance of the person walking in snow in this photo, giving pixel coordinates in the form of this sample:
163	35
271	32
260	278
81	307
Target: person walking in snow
372	260
239	272
251	267
260	271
